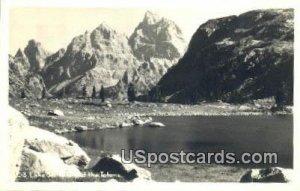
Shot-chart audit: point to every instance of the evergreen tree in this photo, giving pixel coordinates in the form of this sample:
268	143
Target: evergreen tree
63	93
131	92
94	92
102	94
23	95
157	95
281	95
84	92
44	93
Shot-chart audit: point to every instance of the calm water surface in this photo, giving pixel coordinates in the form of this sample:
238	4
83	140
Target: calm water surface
200	134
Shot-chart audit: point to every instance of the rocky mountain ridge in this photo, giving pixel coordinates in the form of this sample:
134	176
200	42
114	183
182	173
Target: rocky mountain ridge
24	75
92	59
157	43
235	59
102	57
157	37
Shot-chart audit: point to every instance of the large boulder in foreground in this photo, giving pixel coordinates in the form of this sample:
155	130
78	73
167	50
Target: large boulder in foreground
267	175
37	153
47	142
39	164
114	165
16	125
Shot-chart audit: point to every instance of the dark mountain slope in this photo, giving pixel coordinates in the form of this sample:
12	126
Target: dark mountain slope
235	59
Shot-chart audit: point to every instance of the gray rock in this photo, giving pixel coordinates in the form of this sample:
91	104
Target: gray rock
244	108
43	154
17	124
138	122
141	120
274	174
91	118
126	124
37	164
81	128
156	124
36	55
58	131
114	165
47	142
56	112
112	181
34	105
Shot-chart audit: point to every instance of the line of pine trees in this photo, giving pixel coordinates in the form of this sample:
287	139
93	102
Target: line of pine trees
94	93
281	95
131	93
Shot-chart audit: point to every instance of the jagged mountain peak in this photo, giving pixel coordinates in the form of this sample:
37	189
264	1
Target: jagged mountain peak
35	46
20	53
54	58
157	43
105	32
105	26
61	51
36	55
33	42
151	18
92	59
104	56
150	14
157	37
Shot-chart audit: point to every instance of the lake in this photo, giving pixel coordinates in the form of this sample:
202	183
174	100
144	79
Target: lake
200	134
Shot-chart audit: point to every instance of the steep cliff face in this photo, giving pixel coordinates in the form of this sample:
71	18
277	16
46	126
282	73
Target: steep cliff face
23	78
157	37
19	63
157	43
29	86
95	58
36	55
235	59
102	56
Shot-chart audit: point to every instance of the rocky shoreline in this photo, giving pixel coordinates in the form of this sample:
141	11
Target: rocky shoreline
77	115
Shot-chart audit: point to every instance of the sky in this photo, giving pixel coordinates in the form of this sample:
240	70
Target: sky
56	27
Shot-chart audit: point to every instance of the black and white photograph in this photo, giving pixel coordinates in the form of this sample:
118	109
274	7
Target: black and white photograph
116	93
